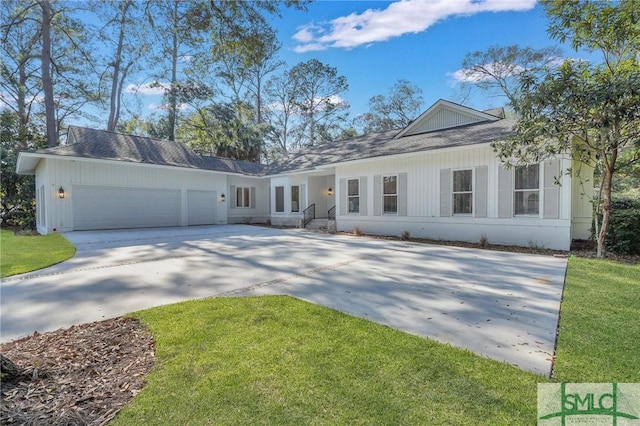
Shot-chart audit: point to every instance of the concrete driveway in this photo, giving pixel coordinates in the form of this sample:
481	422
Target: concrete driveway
501	305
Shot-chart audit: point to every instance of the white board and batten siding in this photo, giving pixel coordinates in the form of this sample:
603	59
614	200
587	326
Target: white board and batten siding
257	210
288	217
199	207
444	118
110	195
425	200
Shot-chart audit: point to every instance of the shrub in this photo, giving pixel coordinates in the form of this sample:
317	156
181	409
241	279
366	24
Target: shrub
405	236
357	231
484	241
624	228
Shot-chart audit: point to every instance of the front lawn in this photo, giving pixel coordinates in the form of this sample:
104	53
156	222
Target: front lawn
278	360
599	338
20	254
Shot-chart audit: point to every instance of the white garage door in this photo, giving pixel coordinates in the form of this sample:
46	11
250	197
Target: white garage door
101	207
201	207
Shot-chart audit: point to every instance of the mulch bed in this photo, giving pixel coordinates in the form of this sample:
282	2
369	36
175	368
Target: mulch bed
81	375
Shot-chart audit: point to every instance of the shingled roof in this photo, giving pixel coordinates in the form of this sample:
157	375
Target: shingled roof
385	144
105	145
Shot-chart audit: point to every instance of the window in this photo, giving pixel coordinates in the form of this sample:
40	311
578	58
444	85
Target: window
280	199
353	195
243	198
40	206
390	194
527	190
463	191
295	199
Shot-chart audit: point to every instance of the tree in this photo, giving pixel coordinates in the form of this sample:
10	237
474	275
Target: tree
185	25
17	192
225	130
397	110
243	62
154	126
19	66
282	128
317	98
47	80
45	37
589	110
125	34
497	70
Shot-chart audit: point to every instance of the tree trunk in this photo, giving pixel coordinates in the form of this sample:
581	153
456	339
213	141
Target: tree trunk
259	117
47	80
173	101
22	104
609	167
115	79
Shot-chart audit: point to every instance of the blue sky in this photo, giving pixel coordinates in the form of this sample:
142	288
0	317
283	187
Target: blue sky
375	43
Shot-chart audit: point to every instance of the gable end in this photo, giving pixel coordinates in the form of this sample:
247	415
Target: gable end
445	115
444	118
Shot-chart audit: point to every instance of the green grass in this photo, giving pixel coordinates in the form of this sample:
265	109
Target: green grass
20	254
599	338
278	360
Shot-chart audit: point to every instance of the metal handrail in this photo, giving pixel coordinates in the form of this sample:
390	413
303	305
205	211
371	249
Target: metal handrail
308	214
331	214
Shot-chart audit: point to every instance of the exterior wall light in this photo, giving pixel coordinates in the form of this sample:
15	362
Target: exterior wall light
61	192
222	198
330	191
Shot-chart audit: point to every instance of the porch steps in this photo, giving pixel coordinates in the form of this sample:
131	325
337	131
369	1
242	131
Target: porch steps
327	225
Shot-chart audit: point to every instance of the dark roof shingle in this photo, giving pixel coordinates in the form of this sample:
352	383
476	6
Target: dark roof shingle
101	144
105	145
383	144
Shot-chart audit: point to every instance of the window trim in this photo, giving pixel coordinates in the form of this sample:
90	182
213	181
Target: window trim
384	212
349	197
454	192
296	201
244	200
523	190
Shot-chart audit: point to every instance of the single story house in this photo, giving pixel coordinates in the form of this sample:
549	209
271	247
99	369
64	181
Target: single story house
437	178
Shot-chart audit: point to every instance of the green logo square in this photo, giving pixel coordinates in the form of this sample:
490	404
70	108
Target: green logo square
588	404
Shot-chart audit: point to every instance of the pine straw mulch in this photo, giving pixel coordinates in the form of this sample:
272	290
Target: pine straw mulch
82	375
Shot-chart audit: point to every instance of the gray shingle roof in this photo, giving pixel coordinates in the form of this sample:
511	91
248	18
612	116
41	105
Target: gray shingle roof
384	144
101	144
105	145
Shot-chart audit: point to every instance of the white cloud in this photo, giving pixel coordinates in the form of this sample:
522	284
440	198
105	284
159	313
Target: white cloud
152	88
401	17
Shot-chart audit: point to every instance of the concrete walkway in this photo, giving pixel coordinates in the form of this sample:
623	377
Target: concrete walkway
501	305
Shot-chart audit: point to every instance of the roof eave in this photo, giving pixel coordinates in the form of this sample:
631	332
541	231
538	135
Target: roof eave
27	163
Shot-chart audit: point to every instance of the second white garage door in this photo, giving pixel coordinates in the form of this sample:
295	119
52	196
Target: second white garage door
201	207
100	207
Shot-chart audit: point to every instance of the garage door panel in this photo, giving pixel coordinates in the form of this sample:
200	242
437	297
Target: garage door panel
96	207
201	207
